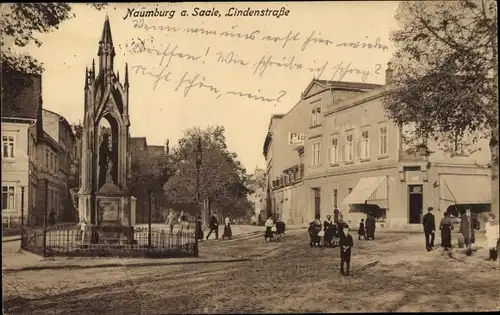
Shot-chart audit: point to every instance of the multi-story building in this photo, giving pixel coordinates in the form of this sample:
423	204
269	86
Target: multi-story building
355	159
257	196
60	165
21	127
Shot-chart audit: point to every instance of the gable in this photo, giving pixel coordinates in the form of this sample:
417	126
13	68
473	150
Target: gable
313	88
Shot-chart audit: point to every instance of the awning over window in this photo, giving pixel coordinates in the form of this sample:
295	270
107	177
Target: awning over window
465	189
369	190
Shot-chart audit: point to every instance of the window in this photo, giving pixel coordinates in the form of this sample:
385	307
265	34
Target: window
46	158
349	148
315	115
56	163
383	140
333	151
8	146
8	198
335	198
315	153
56	200
364	152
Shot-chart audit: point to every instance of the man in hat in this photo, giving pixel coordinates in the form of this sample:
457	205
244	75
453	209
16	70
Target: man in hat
429	228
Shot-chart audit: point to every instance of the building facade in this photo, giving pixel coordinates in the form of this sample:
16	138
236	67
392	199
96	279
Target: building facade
21	127
59	167
355	159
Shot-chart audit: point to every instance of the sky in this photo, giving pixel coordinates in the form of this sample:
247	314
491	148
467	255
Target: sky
242	69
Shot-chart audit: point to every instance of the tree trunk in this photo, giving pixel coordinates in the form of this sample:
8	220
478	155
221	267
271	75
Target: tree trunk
494	176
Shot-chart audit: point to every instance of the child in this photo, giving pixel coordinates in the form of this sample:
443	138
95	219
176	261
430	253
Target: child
491	228
346	243
361	230
313	230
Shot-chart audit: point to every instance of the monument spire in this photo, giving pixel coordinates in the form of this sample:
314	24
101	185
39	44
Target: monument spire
126	75
106	52
86	78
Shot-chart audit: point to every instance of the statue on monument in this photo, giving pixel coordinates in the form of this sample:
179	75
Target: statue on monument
105	161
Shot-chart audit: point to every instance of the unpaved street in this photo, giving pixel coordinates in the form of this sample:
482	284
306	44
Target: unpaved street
393	273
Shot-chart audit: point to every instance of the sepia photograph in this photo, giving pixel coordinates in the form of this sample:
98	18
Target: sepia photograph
250	157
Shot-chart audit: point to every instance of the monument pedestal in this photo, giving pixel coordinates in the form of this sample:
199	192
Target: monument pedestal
113	215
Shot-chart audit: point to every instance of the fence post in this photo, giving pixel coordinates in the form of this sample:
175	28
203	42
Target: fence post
45	218
149	220
22	216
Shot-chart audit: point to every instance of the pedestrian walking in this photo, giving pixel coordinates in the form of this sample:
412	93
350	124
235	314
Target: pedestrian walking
227	229
491	228
214	226
370	227
361	230
328	228
269	226
446	227
429	228
170	222
467	226
346	244
199	229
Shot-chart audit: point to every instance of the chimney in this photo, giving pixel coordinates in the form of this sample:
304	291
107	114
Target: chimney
388	73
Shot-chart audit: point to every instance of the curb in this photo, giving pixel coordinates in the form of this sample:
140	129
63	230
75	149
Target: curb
115	265
11	238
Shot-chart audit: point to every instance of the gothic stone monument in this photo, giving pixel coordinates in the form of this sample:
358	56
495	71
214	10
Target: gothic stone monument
104	200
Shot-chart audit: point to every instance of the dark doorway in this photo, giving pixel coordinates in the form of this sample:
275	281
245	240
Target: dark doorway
415	203
317	202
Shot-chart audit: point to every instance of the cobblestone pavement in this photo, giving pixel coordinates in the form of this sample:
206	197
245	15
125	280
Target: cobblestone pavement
392	273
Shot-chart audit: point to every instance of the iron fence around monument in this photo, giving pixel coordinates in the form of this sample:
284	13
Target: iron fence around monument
68	242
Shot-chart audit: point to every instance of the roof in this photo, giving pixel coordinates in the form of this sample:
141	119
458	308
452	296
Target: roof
159	149
49	140
63	120
21	95
341	84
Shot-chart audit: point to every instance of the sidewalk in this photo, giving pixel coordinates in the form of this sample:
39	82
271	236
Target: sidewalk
15	260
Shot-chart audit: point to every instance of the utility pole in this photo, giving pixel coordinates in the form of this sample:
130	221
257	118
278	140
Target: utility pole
45	217
149	219
22	216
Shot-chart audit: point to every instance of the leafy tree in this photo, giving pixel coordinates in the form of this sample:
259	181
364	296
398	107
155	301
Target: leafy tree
445	76
150	170
22	23
222	176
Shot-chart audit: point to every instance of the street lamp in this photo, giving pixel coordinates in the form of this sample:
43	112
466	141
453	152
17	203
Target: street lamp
199	157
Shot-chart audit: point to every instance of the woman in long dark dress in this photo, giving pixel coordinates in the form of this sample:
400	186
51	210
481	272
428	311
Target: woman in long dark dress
199	230
227	229
361	230
446	227
328	228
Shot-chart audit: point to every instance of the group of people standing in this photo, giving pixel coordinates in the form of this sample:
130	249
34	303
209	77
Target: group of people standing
214	228
367	228
468	225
